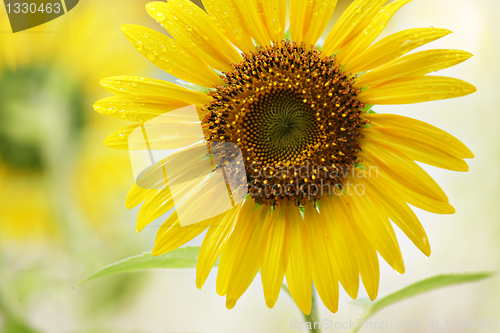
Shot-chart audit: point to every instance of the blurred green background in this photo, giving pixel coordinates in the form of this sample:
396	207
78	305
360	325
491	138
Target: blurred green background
61	201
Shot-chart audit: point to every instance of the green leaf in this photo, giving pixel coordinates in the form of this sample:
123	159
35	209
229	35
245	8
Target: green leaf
427	285
185	257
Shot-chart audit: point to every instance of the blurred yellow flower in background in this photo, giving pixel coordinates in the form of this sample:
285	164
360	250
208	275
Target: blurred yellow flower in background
50	169
60	194
286	105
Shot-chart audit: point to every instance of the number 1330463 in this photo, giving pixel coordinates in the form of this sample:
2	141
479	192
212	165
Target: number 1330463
33	8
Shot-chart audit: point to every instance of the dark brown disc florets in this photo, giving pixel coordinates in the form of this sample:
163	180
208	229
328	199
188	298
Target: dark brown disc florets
295	116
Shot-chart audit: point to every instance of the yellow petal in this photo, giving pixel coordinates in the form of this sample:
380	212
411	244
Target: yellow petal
136	195
185	173
253	18
298	268
340	247
119	139
392	47
138	108
402	169
247	255
154	207
418	89
213	243
172	235
308	19
418	147
230	20
402	216
164	200
365	255
170	56
156	136
274	17
352	22
361	42
228	254
397	190
376	227
420	63
190	26
273	256
417	127
135	85
324	271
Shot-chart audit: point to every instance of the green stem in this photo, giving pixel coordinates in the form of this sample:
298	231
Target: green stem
363	318
313	317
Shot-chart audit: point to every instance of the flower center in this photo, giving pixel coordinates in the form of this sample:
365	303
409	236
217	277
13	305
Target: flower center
37	105
280	126
295	116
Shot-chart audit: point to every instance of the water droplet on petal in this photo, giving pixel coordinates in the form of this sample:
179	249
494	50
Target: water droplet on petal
160	17
151	56
237	34
276	26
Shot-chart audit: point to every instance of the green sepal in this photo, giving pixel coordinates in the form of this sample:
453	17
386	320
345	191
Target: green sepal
194	87
316	205
288	35
360	166
367	108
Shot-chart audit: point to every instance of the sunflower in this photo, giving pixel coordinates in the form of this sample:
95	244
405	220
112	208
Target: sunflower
325	173
48	173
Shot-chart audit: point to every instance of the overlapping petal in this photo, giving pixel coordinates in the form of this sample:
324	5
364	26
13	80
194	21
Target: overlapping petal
325	271
308	19
351	23
170	56
361	42
214	243
392	47
230	19
192	28
273	13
